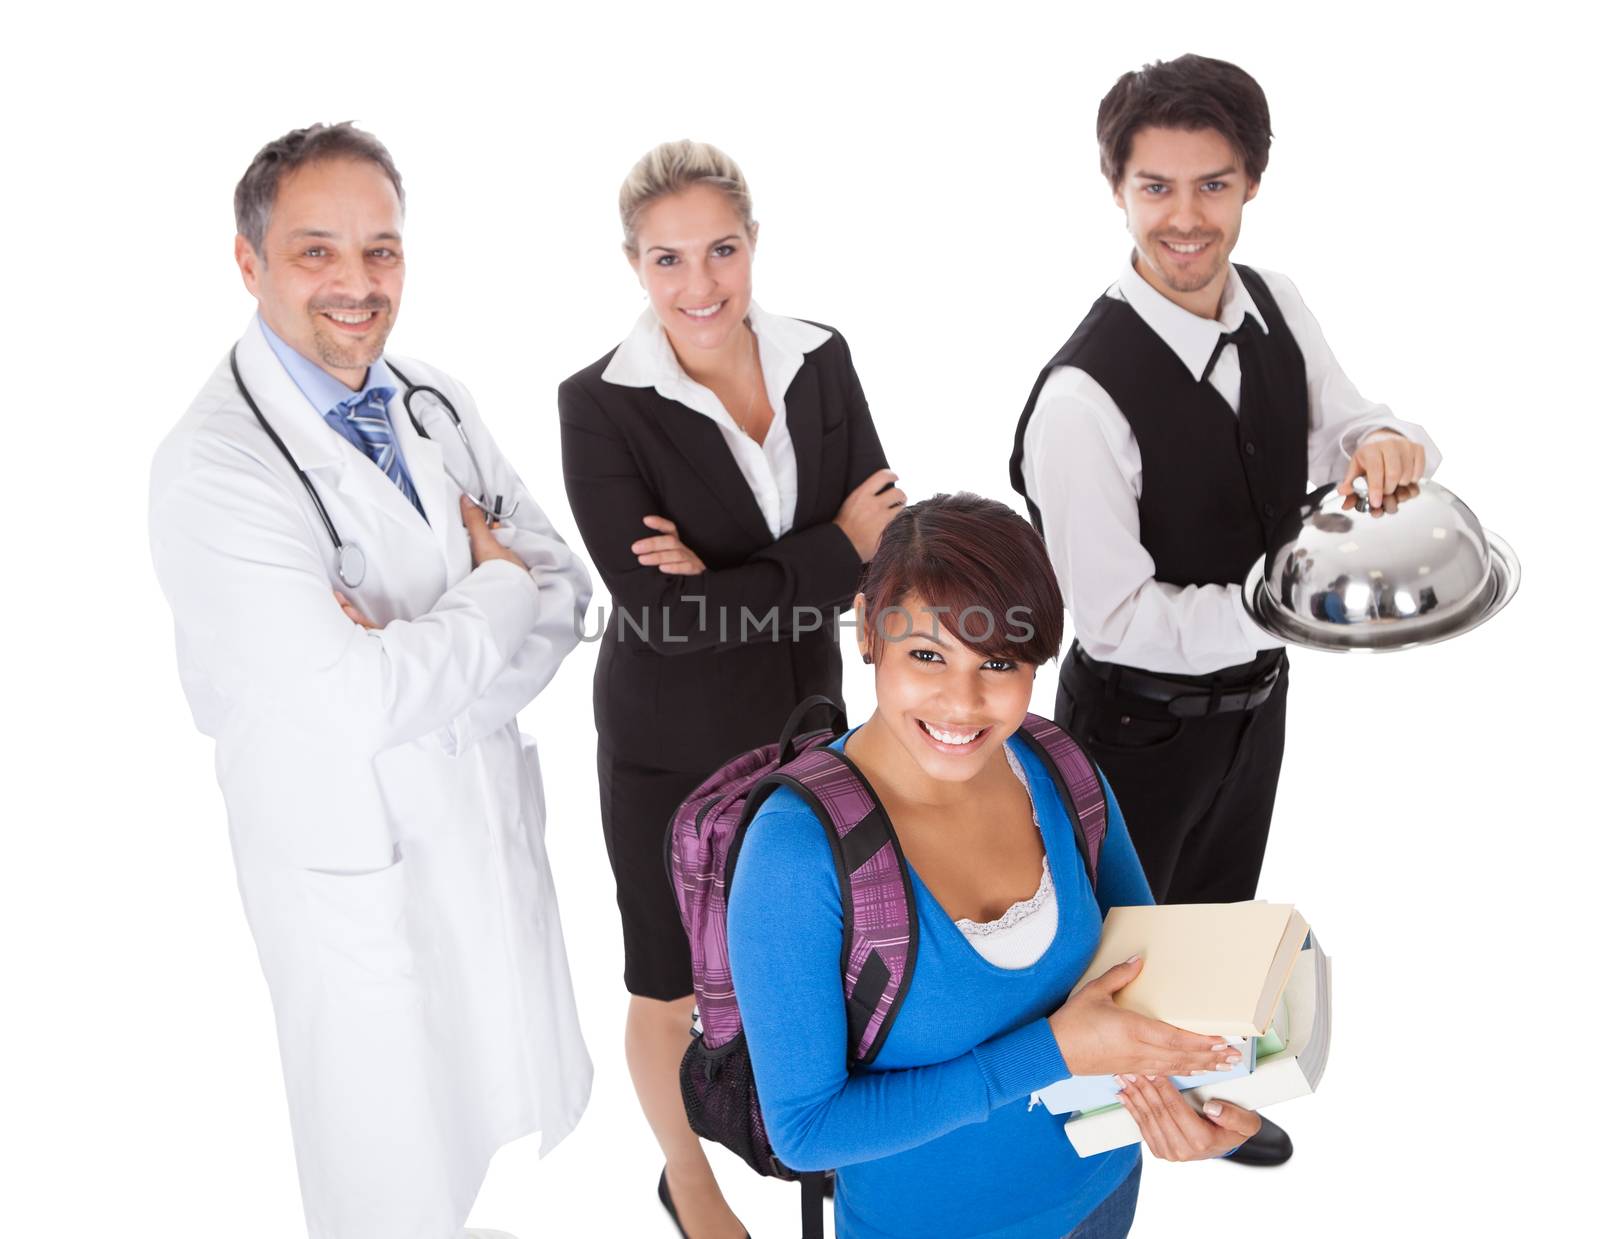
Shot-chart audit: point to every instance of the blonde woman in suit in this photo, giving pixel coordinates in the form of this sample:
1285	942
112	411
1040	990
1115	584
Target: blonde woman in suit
728	482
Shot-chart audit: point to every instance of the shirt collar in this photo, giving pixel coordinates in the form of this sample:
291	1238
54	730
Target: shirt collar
319	387
1188	335
645	358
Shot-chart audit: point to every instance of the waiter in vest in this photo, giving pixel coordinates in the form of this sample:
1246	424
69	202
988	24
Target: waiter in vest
1187	413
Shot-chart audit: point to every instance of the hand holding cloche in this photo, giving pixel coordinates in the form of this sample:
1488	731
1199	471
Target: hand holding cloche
1388	460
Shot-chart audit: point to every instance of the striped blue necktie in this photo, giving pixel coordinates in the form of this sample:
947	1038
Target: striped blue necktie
367	416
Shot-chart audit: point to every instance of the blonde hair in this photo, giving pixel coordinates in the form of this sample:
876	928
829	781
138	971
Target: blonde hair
672	168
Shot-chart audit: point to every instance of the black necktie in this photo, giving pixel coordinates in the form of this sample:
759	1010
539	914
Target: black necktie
1255	427
1240	335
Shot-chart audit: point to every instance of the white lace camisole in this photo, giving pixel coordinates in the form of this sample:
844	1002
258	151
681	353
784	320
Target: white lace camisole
1024	932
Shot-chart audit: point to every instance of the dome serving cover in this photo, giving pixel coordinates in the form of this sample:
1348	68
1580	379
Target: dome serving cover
1337	576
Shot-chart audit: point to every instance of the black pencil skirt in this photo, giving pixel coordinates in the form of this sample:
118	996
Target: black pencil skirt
636	808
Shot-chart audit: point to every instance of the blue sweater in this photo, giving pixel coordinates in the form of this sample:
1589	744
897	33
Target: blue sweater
936	1136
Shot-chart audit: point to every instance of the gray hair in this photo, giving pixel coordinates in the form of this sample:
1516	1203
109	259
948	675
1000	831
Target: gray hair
258	187
672	168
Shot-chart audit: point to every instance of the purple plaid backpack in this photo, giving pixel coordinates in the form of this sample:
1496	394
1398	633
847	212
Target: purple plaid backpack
880	929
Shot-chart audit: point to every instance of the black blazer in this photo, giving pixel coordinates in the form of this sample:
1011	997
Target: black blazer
681	682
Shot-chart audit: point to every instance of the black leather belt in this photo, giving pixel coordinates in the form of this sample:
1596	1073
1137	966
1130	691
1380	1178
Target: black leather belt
1183	698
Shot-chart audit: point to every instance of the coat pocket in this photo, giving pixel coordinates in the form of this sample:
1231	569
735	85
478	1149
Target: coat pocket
359	919
533	781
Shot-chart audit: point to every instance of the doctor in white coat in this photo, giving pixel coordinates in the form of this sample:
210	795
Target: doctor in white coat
385	813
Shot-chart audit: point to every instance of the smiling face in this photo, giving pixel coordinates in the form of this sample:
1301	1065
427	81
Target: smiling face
1184	193
946	708
330	275
694	262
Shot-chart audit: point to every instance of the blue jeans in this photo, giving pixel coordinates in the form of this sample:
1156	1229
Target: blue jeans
1113	1216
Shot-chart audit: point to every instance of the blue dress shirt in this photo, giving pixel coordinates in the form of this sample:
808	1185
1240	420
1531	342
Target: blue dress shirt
327	393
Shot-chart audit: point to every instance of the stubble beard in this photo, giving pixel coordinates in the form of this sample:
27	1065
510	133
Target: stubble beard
1192	281
337	353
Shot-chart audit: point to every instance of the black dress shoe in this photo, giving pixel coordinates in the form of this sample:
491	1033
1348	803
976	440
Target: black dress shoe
665	1197
1270	1146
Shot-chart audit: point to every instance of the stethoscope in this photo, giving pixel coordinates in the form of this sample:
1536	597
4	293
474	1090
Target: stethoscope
352	563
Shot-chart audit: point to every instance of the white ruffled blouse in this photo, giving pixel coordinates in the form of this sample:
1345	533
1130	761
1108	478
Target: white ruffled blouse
1023	933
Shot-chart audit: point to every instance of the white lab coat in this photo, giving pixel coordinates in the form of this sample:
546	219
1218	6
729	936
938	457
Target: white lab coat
387	817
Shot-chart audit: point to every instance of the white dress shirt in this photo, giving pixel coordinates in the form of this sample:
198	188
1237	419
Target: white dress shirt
646	359
1081	468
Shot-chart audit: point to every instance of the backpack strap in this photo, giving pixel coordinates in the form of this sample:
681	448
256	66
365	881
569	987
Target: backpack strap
791	741
1077	782
880	929
812	1188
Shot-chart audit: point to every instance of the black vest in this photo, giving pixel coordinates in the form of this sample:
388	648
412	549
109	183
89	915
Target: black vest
1214	484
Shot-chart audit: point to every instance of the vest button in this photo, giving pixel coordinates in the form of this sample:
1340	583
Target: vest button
1268	511
1249	449
1126	719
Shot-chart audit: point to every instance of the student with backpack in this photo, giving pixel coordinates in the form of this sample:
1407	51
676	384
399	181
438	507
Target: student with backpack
904	1055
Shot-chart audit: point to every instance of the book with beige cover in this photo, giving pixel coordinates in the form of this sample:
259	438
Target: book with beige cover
1214	968
1291	1072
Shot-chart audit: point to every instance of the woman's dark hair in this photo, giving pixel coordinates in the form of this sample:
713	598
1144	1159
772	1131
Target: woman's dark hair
979	567
258	187
1191	92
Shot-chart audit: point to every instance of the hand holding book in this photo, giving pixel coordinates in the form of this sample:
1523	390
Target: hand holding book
1207	967
1174	1131
1097	1037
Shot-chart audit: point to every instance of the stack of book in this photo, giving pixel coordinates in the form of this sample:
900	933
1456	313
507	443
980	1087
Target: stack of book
1251	973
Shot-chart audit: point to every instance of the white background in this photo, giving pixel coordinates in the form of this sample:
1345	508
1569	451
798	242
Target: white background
926	182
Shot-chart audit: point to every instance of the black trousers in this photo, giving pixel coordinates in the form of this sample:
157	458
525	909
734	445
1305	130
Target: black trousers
1196	793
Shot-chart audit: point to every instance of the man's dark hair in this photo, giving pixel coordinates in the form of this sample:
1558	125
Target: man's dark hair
1191	92
258	187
